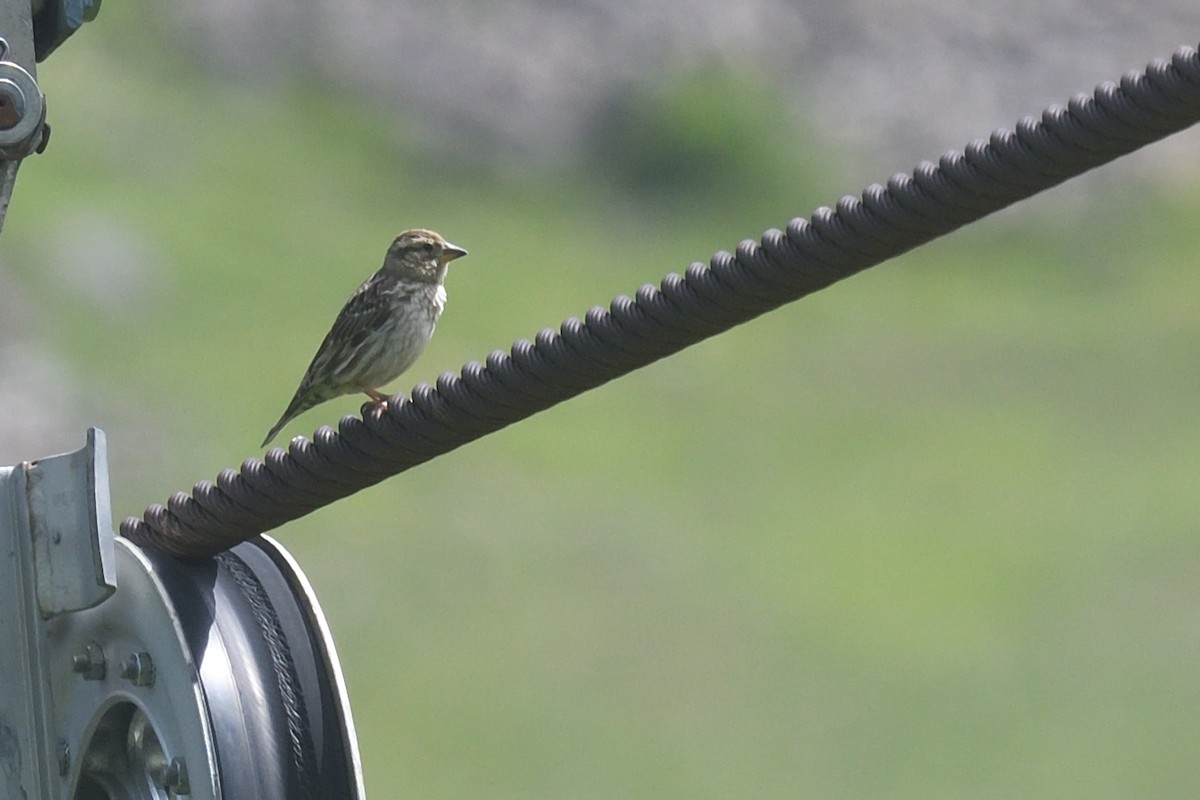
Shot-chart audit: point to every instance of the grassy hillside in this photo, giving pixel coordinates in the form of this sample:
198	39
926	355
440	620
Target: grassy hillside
931	533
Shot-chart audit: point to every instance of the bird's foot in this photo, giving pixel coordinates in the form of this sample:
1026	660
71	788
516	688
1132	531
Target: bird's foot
377	396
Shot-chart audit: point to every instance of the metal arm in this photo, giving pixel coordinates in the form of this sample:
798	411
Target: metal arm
28	33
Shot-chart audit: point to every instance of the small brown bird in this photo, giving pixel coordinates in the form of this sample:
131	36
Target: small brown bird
383	327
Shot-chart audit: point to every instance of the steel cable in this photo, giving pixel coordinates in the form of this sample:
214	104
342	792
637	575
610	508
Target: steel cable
659	320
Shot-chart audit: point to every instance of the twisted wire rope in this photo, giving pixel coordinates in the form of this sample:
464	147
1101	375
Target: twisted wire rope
784	265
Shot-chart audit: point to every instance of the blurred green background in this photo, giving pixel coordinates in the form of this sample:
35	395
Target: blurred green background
930	533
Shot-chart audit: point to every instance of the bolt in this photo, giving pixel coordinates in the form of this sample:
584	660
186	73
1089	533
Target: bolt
175	778
64	757
138	669
90	663
41	148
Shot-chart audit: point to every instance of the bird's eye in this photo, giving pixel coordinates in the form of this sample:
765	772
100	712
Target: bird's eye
427	247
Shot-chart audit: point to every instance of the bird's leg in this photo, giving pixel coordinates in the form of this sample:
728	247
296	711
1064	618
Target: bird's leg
377	396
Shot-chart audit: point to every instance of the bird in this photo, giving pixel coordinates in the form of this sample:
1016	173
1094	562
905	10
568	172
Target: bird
382	329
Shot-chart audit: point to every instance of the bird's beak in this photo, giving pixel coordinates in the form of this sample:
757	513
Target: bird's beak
451	252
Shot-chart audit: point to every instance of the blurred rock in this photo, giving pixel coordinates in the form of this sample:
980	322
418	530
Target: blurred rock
36	390
888	80
104	262
36	409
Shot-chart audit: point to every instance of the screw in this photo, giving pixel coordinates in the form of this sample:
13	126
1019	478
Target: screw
90	663
64	757
175	778
138	669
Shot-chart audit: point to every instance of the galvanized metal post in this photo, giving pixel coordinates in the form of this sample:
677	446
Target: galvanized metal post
56	557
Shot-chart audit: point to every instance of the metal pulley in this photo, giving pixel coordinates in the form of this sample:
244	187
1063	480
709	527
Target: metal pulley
129	675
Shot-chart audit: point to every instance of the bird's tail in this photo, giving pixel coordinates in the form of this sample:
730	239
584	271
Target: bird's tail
295	408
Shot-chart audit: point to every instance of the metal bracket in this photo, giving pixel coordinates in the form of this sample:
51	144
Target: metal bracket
22	104
29	31
70	527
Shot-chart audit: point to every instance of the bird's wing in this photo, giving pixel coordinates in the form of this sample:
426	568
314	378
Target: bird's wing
344	348
364	313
